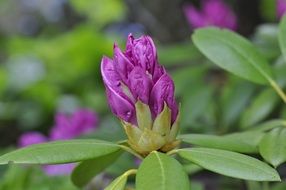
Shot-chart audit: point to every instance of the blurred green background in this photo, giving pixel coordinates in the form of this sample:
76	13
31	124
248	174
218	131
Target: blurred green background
50	53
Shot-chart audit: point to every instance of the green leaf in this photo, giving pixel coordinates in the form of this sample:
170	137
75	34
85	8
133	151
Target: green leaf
259	108
231	164
60	152
273	146
88	169
233	53
159	171
282	36
120	182
245	142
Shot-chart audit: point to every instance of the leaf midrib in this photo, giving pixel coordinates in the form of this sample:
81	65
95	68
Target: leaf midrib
163	181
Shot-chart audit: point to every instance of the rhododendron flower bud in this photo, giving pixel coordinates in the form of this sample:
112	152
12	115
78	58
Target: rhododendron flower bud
212	13
141	93
281	8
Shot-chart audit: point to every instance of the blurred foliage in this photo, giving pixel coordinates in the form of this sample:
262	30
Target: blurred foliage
268	9
100	13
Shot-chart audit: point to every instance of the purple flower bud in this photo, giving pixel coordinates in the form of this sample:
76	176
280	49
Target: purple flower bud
31	138
212	13
281	8
71	126
135	75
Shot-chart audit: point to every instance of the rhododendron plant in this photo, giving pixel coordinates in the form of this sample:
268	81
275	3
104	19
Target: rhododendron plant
140	93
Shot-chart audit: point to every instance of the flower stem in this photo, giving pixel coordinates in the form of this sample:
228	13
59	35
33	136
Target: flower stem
278	90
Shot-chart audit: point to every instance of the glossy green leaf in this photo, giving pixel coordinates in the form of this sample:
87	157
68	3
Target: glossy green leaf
231	164
60	152
159	171
88	169
120	182
233	53
245	142
273	146
260	107
282	36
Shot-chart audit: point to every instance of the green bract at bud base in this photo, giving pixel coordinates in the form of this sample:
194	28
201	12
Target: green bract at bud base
151	135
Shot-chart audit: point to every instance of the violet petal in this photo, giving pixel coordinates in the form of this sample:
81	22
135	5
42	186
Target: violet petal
140	84
163	91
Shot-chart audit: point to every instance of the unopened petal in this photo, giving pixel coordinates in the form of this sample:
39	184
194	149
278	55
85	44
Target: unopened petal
109	74
121	64
120	106
140	84
144	53
163	91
